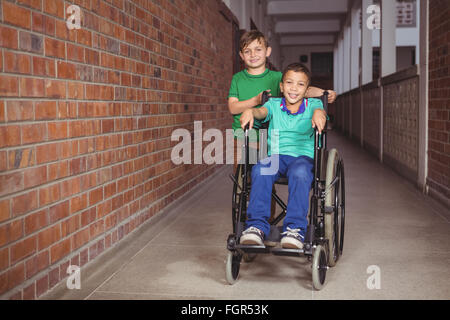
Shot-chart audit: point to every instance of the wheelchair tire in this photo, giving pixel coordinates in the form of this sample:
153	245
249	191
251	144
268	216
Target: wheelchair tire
341	205
319	267
232	266
332	229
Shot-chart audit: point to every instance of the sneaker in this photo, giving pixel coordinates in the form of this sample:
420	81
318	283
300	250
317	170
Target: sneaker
252	236
292	239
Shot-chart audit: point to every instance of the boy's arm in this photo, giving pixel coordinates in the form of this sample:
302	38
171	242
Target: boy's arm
313	92
249	115
237	107
319	119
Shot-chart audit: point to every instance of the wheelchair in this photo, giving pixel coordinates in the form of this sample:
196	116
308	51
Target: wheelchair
324	239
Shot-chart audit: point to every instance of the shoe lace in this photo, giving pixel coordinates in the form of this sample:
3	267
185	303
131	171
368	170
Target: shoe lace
252	229
291	232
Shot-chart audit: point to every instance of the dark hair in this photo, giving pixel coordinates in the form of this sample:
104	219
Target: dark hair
251	36
297	67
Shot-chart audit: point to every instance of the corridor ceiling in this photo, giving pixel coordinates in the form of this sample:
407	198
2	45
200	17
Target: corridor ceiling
308	22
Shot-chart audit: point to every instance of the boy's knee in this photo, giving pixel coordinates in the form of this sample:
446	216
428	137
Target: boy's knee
300	173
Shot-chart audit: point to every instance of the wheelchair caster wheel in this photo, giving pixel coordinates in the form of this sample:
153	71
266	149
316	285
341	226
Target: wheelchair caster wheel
232	266
319	267
249	257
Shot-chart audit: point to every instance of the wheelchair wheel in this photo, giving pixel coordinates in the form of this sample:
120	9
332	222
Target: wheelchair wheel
332	229
340	208
232	266
319	267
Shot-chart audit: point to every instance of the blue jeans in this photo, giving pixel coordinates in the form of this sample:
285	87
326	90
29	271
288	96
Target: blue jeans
299	171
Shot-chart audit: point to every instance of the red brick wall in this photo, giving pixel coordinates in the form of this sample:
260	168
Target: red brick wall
85	123
439	100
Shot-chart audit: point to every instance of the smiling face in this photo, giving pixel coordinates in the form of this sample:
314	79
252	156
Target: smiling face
294	86
255	54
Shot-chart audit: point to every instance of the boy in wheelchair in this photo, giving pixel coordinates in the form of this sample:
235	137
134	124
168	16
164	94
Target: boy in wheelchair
291	127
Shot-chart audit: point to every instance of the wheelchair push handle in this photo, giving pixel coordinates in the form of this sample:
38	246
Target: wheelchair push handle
264	97
324	98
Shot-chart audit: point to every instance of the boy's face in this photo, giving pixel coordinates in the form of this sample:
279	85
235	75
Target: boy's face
294	86
255	54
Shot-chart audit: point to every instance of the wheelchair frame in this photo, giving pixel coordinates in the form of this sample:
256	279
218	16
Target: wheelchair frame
324	237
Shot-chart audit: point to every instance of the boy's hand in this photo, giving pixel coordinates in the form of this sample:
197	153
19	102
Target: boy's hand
319	119
259	97
331	96
247	117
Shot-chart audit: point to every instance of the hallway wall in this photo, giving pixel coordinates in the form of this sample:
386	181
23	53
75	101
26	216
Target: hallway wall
86	117
439	101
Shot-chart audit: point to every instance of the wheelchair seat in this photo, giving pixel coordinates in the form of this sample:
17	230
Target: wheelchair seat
282	180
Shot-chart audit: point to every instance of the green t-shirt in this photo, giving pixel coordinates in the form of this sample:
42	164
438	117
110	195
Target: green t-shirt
245	86
293	134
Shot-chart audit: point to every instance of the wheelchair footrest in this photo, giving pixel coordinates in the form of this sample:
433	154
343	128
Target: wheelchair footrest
253	248
287	252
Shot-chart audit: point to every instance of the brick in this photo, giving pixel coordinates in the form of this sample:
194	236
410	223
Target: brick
46	110
48	237
11	182
58	170
95	196
54	7
42	285
2	110
3	161
4	258
8	37
29	293
70	225
23	249
43	67
17	63
9	86
75	90
80	238
66	70
55	89
59	211
34	176
31	42
55	48
78	203
57	130
32	87
16	275
47	152
35	221
36	4
24	203
5	212
75	53
36	263
60	250
21	158
19	110
16	15
53	277
11	232
49	194
33	133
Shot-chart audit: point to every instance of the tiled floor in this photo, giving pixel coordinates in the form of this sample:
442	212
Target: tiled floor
181	254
